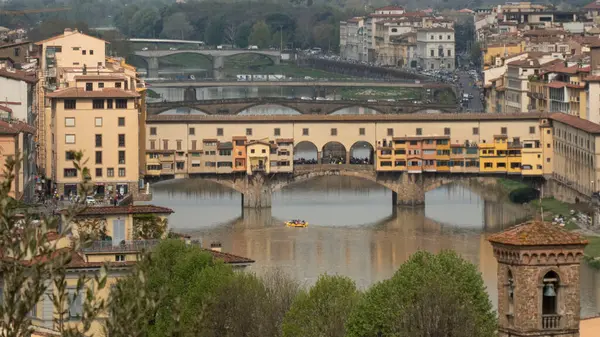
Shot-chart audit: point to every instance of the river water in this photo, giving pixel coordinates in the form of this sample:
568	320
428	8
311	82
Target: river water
354	229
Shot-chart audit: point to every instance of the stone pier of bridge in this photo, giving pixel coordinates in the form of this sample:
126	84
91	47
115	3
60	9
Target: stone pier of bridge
257	189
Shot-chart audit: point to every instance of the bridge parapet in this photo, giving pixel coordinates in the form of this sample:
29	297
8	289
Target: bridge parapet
307	168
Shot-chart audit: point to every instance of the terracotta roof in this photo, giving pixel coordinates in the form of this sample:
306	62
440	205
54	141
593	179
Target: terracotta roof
340	118
5	108
527	63
68	33
18	75
592	5
263	142
537	233
284	140
228	258
99	78
544	32
576	122
131	209
436	29
239	138
15	127
209	140
82	93
593	78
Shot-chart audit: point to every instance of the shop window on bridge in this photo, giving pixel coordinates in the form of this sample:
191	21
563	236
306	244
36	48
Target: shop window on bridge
442	142
500	165
488	165
457	150
210	164
400	163
224	164
224	152
386	164
400	152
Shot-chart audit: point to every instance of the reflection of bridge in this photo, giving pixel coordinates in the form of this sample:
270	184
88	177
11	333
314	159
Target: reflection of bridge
325	107
217	57
407	189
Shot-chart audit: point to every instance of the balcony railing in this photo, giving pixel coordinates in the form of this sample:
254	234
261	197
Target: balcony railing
256	168
550	322
123	246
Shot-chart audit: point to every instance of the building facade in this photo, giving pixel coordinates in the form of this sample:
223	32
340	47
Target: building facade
17	98
73	67
435	48
99	118
17	139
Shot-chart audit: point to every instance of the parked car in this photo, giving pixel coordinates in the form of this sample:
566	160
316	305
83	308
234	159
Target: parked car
219	47
172	48
145	48
253	47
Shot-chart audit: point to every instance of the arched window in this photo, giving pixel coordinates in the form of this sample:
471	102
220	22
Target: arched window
550	293
510	293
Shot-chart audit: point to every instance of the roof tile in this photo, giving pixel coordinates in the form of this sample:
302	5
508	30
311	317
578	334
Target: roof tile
537	233
576	122
82	93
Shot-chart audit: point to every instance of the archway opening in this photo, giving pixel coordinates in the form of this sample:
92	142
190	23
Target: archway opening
183	111
270	110
249	61
550	293
355	110
334	153
305	153
362	153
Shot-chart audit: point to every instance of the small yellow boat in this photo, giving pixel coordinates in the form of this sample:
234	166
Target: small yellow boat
297	223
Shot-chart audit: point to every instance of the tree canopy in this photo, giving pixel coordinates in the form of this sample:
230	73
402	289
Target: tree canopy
323	310
443	286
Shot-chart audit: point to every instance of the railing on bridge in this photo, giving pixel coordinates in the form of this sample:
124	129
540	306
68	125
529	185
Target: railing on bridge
108	246
305	168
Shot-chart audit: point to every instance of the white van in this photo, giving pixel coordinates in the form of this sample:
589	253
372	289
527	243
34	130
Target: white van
253	47
219	47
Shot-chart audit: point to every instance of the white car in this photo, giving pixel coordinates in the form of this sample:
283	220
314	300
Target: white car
172	48
372	100
219	47
145	48
252	47
321	99
89	200
305	98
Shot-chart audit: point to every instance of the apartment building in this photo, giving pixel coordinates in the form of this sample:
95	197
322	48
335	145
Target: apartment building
352	39
16	138
435	48
73	64
17	97
97	116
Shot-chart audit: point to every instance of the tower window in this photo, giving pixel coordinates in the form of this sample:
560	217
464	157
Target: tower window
550	294
510	292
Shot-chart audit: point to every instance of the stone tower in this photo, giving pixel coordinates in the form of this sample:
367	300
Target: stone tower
538	280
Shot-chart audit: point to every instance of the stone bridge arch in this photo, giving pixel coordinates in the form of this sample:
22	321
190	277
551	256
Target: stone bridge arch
240	108
336	109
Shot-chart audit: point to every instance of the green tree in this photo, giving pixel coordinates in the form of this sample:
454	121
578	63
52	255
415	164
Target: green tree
323	36
242	35
443	286
215	31
148	226
176	26
122	18
260	35
31	266
144	22
180	281
323	310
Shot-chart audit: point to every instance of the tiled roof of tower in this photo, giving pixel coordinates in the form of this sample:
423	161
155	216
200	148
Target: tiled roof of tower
537	233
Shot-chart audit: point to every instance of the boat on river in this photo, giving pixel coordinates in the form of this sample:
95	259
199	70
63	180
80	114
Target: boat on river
296	223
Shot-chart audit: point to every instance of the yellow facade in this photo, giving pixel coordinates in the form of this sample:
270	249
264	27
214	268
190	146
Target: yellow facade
493	51
257	153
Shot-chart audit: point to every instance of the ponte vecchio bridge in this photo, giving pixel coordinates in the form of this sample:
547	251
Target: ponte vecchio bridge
409	154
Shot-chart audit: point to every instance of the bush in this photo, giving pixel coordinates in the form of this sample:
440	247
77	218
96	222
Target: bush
524	195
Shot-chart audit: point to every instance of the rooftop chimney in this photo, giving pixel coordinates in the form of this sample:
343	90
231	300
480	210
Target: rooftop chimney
216	246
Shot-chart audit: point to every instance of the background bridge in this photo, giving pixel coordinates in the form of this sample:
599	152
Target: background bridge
324	107
217	56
